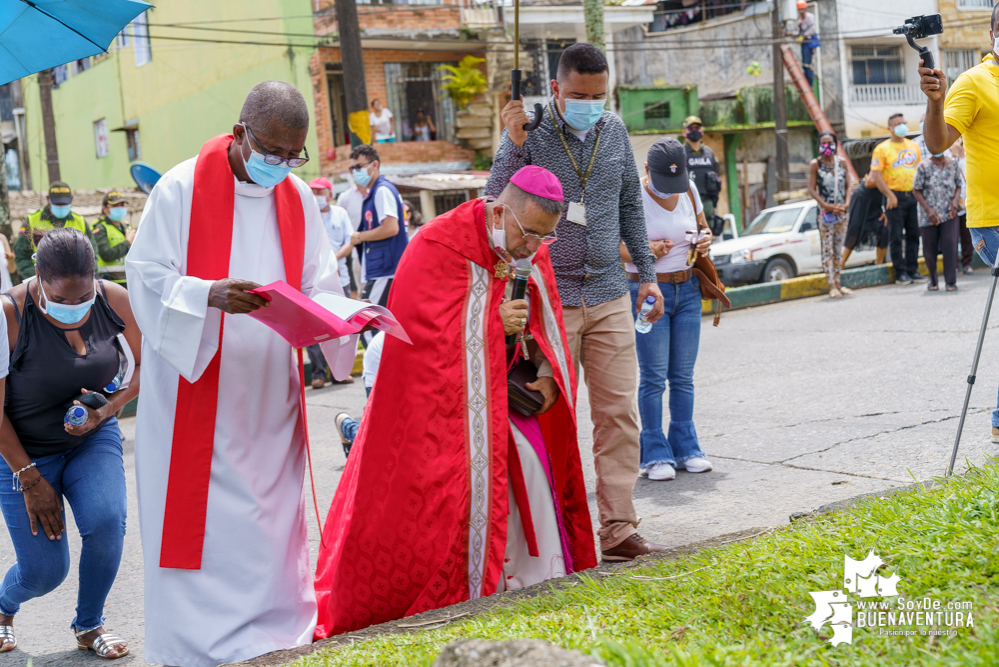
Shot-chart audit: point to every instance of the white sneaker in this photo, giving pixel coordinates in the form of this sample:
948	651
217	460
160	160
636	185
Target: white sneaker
695	465
661	472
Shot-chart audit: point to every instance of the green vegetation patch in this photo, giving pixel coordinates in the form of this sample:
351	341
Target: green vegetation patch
745	603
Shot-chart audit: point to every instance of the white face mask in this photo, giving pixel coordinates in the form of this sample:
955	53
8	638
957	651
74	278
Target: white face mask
995	47
322	201
499	240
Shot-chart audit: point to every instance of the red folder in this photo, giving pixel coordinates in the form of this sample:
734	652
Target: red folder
302	321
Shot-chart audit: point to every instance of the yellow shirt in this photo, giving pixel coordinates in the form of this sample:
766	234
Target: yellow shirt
972	108
897	162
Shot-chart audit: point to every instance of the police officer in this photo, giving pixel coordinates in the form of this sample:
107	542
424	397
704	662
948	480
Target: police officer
113	237
56	214
703	168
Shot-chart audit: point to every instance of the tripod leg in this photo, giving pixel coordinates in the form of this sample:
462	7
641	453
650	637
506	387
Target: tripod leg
974	366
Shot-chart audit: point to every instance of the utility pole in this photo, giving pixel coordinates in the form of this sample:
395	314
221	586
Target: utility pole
593	18
780	106
355	91
48	124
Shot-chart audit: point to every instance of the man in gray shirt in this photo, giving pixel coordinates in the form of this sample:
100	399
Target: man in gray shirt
588	149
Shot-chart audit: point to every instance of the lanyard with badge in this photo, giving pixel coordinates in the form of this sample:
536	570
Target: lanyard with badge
577	210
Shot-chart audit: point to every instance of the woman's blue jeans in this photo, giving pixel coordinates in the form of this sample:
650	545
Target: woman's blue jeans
667	354
91	477
988	238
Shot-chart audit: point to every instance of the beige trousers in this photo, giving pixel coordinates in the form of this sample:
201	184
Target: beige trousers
602	341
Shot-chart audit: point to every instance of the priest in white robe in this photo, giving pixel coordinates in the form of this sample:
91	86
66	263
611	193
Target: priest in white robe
219	448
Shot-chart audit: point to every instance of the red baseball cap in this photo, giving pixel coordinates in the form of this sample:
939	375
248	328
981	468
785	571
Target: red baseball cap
320	183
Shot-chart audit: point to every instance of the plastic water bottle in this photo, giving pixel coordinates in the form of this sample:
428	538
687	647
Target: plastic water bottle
116	383
76	415
642	324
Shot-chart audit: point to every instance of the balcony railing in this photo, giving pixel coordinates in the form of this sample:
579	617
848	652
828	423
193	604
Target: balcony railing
886	94
982	5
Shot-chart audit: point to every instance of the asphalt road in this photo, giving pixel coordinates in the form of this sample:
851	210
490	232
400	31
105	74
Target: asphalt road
799	404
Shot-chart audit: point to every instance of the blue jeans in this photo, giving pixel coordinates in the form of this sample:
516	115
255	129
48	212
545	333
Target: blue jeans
990	235
92	478
349	425
668	353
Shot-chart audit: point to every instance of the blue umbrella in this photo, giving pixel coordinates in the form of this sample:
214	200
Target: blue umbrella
39	34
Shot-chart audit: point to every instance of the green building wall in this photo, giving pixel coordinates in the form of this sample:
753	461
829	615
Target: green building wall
187	93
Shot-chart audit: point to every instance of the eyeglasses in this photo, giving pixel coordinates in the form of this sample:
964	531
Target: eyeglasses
548	239
275	160
355	167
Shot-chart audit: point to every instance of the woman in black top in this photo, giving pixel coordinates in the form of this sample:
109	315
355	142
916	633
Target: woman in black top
63	340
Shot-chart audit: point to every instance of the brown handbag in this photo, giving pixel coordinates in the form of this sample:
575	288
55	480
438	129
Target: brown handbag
712	288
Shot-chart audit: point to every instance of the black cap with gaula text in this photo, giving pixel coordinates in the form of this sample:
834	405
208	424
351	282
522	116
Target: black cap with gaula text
668	167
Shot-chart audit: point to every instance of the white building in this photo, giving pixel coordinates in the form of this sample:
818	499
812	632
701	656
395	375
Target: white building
878	68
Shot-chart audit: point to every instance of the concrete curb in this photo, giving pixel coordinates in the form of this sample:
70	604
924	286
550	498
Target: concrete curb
815	285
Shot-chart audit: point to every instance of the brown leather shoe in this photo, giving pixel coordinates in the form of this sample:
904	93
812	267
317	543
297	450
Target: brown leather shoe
318	383
630	549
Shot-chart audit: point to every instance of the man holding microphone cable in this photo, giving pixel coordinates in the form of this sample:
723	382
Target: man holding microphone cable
971	110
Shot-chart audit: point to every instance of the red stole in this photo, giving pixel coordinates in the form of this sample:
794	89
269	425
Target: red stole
208	251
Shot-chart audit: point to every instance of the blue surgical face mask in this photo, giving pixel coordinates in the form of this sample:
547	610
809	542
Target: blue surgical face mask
261	173
61	312
901	130
921	123
361	176
60	211
652	188
939	155
118	213
583	114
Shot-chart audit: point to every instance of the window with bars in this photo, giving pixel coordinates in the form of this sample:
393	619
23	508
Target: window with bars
413	87
957	61
877	65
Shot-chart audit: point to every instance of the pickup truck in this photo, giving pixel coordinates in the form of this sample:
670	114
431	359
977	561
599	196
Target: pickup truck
782	242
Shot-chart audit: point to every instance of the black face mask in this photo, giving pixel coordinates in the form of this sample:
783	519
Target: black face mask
695	135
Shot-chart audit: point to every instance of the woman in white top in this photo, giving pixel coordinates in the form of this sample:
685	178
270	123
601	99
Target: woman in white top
673	216
423	128
381	122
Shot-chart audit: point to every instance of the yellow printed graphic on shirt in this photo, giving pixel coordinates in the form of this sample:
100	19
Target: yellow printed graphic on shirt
897	162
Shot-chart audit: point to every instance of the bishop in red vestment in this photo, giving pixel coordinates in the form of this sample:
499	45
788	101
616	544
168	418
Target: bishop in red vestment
448	495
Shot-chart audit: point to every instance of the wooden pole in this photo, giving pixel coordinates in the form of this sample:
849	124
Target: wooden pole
48	124
780	106
355	91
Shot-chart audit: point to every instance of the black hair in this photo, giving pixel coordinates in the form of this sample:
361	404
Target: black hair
828	134
895	115
365	150
995	17
64	253
582	58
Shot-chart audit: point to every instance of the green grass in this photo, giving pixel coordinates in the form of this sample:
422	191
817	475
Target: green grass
747	604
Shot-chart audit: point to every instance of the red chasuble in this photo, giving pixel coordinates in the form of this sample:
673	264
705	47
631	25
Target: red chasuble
208	250
419	518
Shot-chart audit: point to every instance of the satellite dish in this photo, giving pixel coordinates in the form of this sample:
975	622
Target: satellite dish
145	176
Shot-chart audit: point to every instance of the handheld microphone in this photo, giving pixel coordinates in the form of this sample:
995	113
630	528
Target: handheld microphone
521	273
